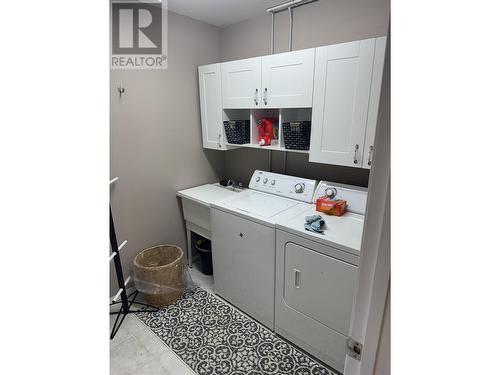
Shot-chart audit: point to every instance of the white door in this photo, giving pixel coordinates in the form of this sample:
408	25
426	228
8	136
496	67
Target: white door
211	106
342	79
371	124
287	79
241	83
243	257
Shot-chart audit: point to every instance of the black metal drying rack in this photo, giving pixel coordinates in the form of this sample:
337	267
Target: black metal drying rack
126	301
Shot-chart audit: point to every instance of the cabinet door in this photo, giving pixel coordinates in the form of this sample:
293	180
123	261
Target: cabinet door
243	257
211	106
287	79
241	83
371	124
342	78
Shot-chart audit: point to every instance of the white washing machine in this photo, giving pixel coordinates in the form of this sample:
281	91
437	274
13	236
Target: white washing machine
243	240
316	275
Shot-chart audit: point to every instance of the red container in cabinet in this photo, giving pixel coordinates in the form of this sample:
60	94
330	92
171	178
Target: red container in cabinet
266	134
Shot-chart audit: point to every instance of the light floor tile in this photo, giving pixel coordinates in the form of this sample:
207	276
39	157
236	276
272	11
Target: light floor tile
152	368
128	356
166	363
122	334
172	364
148	339
139	351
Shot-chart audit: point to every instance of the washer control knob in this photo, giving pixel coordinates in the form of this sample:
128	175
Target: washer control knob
265	180
257	179
299	188
330	192
273	182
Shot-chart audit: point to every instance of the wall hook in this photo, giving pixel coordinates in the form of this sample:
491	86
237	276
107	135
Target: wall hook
121	90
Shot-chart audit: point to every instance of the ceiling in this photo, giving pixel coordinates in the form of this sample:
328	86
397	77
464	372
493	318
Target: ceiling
221	12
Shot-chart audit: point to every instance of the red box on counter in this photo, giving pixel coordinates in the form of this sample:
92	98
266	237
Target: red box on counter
331	207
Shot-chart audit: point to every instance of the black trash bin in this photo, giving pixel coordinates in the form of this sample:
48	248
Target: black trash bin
204	248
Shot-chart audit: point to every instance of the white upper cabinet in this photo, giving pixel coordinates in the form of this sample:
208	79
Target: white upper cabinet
283	80
287	79
341	97
378	67
337	87
211	106
241	83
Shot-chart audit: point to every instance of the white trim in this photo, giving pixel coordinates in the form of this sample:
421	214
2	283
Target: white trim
374	269
117	295
130	290
122	244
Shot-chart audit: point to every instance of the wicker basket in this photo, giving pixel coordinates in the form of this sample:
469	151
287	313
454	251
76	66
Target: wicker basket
158	272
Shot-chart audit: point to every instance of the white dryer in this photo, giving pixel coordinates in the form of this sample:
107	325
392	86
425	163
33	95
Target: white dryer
243	240
316	275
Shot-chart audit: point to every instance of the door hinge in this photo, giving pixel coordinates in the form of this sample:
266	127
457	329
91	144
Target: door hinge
353	348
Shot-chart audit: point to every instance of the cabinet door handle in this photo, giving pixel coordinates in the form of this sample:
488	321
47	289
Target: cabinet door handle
370	155
218	141
265	96
356	148
256	97
296	278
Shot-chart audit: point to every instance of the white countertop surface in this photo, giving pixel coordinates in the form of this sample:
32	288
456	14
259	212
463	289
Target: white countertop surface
342	232
260	204
208	193
262	208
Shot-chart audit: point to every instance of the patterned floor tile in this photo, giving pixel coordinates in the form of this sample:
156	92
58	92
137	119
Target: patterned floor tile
212	337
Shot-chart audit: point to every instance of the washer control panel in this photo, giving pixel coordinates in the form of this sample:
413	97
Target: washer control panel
301	189
354	196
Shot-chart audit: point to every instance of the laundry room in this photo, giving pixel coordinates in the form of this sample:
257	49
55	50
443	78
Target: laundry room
247	187
264	127
251	131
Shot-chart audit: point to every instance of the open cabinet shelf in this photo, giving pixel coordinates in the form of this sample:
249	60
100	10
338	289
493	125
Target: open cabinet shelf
279	116
271	148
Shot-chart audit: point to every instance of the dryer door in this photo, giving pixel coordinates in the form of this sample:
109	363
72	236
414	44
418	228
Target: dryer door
314	294
319	286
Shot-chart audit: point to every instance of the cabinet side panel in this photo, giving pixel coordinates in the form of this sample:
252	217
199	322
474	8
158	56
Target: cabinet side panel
211	106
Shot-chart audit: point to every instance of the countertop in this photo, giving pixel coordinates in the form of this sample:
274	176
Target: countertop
208	193
344	232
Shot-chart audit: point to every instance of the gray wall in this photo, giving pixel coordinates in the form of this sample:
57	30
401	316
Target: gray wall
156	146
321	23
